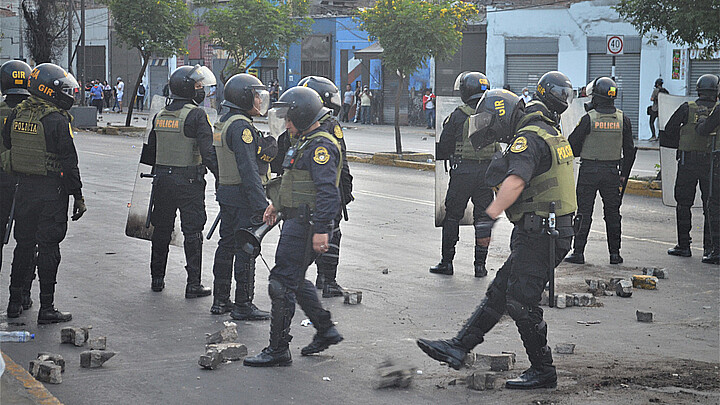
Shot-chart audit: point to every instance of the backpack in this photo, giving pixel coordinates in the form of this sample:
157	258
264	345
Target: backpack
141	90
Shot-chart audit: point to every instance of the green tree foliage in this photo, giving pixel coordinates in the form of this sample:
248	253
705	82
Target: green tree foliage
413	31
251	29
695	23
153	27
45	28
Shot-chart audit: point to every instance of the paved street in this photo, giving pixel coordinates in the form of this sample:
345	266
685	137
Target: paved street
104	281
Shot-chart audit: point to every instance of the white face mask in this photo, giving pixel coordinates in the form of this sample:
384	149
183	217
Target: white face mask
525	93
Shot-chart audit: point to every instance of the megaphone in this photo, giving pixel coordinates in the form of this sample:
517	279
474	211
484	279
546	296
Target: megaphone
251	238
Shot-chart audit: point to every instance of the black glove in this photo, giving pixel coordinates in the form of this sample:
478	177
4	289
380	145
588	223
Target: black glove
79	208
483	228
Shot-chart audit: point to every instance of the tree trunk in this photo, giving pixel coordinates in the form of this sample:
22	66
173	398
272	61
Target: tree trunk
146	61
398	141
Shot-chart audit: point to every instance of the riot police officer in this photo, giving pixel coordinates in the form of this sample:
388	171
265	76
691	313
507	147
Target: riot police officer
180	150
467	173
47	174
309	199
694	166
711	127
327	263
552	96
240	194
603	140
535	171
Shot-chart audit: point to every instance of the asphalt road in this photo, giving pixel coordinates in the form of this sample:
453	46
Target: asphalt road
104	281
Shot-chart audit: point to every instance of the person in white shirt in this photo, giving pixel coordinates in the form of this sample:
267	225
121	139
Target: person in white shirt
526	95
120	87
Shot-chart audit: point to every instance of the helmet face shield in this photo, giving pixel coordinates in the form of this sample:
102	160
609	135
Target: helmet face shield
202	75
565	94
69	84
458	81
277	117
478	130
335	99
262	99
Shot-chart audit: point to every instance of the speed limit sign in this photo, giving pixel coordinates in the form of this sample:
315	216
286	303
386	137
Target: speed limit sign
614	44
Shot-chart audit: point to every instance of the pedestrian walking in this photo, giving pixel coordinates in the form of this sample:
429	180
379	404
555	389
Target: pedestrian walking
428	102
96	97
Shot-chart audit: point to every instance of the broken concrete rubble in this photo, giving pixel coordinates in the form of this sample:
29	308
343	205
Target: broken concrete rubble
95	358
226	335
391	373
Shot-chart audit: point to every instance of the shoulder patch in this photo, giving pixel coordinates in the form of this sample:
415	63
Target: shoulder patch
338	132
247	135
519	145
321	155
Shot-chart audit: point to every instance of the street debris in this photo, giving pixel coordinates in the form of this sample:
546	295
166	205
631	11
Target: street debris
588	323
74	335
645	282
95	358
225	335
98	343
565	348
326	379
352	297
305	323
624	289
391	373
385	271
229	351
481	381
210	360
496	362
55	358
655	271
643	316
46	371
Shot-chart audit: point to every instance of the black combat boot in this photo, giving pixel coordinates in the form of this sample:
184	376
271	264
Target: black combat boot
157	284
481	253
193	256
443	268
540	375
277	354
330	288
244	309
320	280
533	332
27	301
322	340
221	298
450	236
48	313
576	257
713	257
15	307
615	258
680	251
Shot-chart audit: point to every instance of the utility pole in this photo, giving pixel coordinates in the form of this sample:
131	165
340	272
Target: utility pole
70	32
81	71
20	29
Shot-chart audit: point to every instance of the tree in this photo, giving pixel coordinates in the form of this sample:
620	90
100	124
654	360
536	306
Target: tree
45	30
252	29
153	27
695	23
413	31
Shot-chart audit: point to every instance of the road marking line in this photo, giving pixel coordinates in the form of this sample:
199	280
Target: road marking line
659	242
397	198
33	386
97	153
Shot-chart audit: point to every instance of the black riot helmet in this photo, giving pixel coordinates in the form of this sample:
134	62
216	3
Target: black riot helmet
299	105
14	77
52	83
246	93
326	89
555	91
471	85
659	82
707	86
496	115
184	79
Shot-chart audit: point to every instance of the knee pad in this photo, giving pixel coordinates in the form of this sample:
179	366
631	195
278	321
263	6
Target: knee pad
518	312
276	290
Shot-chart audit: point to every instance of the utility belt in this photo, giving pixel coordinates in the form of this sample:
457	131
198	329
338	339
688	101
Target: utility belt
683	155
457	160
302	213
532	223
189	172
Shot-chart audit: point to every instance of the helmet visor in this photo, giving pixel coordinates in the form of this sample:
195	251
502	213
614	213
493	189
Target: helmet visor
478	125
563	93
69	84
202	75
276	120
458	81
262	100
335	99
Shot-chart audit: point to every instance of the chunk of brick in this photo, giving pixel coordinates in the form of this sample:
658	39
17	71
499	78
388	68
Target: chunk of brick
46	371
95	358
655	272
226	335
210	360
55	358
391	373
644	282
565	348
470	359
496	362
481	381
352	297
73	335
229	351
98	343
561	301
624	288
614	282
643	316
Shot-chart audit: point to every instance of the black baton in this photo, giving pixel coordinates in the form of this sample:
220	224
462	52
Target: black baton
11	218
214	225
553	233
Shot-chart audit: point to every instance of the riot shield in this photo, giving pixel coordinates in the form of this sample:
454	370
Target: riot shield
667	104
571	117
445	105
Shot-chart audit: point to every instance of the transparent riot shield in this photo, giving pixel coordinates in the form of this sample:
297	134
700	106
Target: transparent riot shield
570	119
667	104
445	105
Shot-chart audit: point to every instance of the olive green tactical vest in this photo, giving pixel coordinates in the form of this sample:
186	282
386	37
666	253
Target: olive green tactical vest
604	142
463	146
557	184
296	187
227	165
5	112
173	147
689	140
29	153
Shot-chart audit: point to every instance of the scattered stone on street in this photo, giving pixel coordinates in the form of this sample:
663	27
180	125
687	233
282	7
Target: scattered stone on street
495	362
98	343
74	335
46	371
95	358
55	358
565	348
211	359
226	335
643	316
352	297
229	351
644	282
481	380
624	288
655	271
391	373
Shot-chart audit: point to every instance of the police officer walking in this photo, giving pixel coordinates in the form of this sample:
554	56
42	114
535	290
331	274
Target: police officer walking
694	166
327	263
180	150
603	140
535	171
309	200
240	194
467	173
43	157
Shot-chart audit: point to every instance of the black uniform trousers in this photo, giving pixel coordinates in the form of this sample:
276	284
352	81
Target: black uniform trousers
327	262
465	184
229	255
41	215
178	189
7	191
293	256
693	168
603	176
714	206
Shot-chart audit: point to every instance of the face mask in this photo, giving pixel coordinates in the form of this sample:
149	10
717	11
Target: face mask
525	93
199	95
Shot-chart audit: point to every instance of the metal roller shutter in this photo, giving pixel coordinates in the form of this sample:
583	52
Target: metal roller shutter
389	90
699	67
525	70
627	77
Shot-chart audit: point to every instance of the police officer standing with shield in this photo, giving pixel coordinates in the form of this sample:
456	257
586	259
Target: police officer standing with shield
467	173
43	157
711	127
603	140
240	194
535	176
694	166
309	199
180	150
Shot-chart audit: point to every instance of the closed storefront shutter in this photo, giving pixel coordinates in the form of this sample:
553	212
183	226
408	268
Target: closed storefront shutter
390	84
526	70
627	77
699	67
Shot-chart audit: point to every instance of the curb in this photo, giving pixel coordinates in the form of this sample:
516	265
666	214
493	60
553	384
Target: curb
644	188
